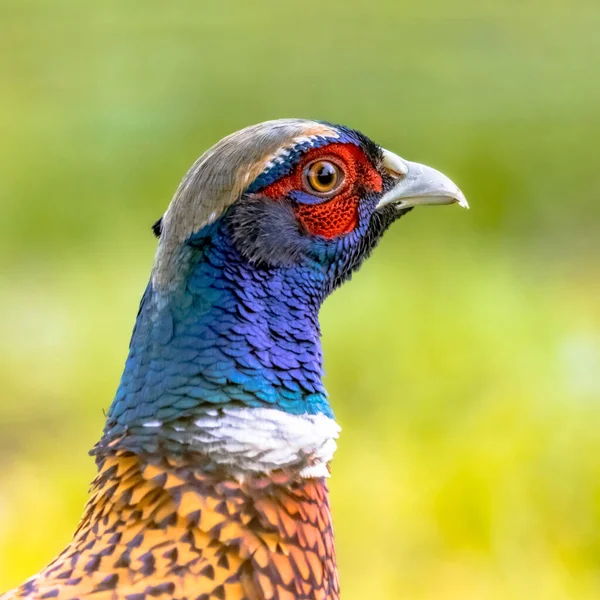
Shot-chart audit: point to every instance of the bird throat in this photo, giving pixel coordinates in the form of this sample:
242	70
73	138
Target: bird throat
225	363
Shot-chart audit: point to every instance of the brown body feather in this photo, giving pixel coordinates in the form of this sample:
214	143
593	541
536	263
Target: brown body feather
157	527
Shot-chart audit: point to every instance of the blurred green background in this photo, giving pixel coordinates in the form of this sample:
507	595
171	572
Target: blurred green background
463	361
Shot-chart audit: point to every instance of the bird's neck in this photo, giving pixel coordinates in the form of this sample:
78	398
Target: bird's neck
226	361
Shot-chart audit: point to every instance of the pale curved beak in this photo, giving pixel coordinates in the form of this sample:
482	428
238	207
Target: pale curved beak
418	184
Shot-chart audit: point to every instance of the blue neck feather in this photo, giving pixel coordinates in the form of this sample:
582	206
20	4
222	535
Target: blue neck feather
226	332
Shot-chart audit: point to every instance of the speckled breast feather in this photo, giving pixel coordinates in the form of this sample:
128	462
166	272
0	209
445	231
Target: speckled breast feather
157	527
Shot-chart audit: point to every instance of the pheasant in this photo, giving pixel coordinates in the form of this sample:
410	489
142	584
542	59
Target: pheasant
213	462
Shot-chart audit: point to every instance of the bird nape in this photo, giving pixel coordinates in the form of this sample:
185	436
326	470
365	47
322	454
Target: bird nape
213	462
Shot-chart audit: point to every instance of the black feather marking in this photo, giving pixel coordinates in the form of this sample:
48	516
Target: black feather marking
137	541
219	592
171	555
108	583
29	586
194	518
163	588
157	228
65	574
148	564
223	562
124	560
208	572
93	564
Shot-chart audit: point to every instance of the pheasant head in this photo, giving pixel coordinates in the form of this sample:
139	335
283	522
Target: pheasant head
213	460
225	358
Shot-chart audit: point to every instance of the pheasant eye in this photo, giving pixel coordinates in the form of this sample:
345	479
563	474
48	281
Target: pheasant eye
323	177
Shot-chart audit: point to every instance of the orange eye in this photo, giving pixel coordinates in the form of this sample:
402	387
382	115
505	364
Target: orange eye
323	177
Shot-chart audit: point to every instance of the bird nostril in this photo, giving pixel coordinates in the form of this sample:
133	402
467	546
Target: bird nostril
394	165
394	174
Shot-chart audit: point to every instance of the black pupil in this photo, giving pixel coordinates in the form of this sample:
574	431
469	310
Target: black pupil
325	175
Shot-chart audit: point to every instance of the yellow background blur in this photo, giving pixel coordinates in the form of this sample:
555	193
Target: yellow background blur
463	361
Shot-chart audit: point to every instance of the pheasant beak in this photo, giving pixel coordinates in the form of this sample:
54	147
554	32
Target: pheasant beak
418	184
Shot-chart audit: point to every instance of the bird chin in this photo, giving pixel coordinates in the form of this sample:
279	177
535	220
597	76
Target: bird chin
394	211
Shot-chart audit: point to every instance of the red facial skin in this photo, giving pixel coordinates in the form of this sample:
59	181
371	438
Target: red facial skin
337	215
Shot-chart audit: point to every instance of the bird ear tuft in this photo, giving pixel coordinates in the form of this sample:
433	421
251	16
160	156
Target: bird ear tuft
157	227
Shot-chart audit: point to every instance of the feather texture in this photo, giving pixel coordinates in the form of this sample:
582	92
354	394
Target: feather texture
168	527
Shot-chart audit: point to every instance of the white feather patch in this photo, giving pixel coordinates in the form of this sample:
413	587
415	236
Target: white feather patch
265	439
